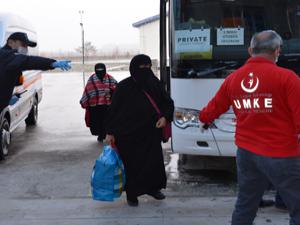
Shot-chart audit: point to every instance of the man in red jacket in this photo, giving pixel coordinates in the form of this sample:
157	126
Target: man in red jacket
265	99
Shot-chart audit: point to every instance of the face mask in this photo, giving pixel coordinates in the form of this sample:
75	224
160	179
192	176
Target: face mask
147	72
22	50
143	75
100	73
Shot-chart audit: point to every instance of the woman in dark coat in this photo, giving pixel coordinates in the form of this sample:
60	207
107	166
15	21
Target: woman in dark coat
96	99
135	127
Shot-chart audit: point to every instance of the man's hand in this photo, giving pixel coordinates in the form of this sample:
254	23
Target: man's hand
63	65
110	139
162	122
204	127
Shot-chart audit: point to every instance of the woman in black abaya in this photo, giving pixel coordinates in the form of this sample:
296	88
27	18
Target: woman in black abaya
134	126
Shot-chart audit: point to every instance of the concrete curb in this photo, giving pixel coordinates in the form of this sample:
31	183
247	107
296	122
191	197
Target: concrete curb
172	211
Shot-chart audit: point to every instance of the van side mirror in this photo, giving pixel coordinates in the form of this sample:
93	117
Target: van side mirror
20	81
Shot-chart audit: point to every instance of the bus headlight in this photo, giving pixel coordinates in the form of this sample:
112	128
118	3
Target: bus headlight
184	118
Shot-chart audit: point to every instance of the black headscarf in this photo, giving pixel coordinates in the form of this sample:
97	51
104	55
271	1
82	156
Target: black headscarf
100	70
144	77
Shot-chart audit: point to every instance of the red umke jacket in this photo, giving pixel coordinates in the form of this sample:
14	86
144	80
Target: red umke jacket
266	101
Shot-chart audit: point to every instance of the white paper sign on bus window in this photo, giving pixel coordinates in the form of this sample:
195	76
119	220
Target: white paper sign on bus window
230	36
192	41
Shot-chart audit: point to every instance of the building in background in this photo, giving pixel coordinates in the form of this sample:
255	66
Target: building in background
149	36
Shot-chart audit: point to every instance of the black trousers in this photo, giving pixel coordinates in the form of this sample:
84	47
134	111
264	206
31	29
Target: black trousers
97	117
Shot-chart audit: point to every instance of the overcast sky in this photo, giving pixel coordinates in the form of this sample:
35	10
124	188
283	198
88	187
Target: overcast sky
106	22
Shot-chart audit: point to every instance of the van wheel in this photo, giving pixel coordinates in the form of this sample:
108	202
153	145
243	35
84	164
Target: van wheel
5	138
33	115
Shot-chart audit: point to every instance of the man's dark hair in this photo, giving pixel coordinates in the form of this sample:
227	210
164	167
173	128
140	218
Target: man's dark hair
265	42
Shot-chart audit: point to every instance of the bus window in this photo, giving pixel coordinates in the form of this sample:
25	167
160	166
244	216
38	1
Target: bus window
254	18
210	38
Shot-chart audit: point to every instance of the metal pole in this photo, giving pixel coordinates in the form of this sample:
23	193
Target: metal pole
83	50
163	42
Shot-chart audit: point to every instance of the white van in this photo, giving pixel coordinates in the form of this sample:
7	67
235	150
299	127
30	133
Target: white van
29	89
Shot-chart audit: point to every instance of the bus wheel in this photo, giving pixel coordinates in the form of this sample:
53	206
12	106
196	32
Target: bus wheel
32	118
4	138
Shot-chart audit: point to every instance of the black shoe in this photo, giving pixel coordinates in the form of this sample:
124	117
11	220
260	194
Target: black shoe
132	202
266	203
158	195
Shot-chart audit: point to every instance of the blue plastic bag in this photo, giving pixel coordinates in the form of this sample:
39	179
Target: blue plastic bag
108	176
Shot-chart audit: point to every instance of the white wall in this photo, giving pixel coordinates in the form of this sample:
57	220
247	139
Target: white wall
149	39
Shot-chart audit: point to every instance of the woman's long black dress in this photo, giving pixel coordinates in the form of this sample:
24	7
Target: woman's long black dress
132	120
98	114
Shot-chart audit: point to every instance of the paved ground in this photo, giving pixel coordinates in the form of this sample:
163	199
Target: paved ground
45	180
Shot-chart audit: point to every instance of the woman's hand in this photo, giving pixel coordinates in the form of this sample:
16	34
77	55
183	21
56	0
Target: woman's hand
110	139
162	122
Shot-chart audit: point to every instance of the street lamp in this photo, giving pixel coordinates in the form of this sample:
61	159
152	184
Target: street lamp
82	37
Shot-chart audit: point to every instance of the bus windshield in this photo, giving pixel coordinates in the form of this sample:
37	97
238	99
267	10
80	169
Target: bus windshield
210	38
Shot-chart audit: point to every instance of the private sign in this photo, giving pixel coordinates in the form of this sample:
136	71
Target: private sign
192	41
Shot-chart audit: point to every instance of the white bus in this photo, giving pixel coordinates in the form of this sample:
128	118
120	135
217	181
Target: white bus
208	39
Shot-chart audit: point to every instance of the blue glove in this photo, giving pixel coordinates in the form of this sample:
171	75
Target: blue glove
63	65
13	100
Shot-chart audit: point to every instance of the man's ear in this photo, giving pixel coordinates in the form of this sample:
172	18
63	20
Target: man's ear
277	52
250	51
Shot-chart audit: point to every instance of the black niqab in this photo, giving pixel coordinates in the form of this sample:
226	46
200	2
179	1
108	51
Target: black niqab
100	70
138	73
144	77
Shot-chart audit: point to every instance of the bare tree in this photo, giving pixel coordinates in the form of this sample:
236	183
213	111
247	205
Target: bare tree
89	49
